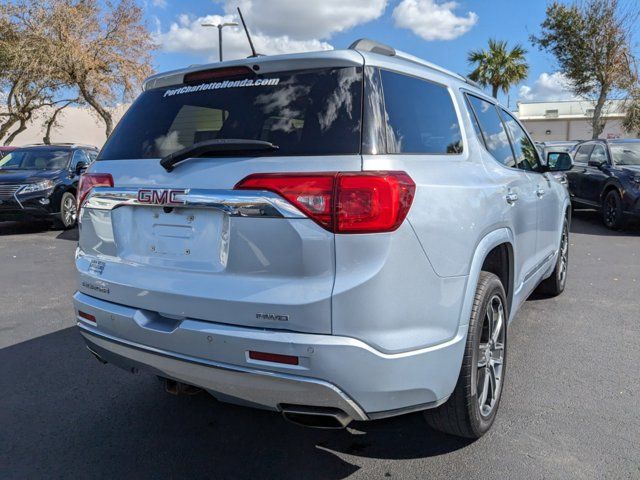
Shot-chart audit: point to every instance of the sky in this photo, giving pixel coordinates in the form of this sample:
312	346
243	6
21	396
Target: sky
440	31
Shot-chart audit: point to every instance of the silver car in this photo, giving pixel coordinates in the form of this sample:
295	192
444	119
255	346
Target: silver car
340	235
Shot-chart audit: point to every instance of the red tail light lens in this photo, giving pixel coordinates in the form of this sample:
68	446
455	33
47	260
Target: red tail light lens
343	202
273	357
88	181
87	316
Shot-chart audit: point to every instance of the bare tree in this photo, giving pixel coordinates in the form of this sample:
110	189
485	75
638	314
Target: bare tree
591	41
52	121
99	48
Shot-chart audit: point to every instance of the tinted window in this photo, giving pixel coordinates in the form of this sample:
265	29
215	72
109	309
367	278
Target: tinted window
373	130
625	153
493	131
36	159
525	150
598	154
582	154
310	112
79	156
92	155
420	116
474	121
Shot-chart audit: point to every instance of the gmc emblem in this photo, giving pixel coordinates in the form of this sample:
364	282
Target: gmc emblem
152	196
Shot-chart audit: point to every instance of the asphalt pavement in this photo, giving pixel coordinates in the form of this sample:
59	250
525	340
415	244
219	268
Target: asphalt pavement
570	408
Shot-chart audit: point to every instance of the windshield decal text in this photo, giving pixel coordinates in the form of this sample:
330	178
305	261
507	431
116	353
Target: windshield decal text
247	82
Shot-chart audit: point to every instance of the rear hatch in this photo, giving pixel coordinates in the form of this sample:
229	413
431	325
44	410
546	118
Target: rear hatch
184	243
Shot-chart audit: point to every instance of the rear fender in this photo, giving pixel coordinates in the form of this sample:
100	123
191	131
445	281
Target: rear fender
488	243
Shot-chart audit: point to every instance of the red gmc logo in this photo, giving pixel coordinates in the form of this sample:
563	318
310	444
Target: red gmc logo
160	196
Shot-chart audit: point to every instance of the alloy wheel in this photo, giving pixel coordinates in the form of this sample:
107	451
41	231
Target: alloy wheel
491	356
564	257
610	210
69	211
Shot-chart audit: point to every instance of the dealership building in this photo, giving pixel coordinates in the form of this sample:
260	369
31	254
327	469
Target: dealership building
570	120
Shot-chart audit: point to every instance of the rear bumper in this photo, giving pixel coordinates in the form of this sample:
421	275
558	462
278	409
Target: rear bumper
333	371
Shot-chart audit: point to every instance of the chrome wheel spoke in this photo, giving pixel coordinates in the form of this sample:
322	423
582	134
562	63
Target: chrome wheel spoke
485	389
491	348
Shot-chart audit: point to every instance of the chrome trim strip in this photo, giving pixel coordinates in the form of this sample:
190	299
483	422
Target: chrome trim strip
535	269
91	331
235	203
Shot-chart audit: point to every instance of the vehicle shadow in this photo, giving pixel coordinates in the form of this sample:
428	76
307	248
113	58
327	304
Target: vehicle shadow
589	222
24	228
71	234
69	416
21	228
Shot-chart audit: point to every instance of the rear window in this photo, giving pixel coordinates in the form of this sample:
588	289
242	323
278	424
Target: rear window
309	112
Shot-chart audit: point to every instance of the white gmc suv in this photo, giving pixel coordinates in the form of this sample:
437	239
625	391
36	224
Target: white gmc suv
336	236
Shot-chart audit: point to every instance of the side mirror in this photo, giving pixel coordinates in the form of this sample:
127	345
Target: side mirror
559	162
596	163
80	168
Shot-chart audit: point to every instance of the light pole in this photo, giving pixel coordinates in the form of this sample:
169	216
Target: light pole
220	27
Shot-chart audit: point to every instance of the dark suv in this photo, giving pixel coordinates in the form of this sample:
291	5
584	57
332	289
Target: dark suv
40	182
606	175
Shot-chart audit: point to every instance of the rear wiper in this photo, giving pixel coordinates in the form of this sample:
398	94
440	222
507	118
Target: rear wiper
217	148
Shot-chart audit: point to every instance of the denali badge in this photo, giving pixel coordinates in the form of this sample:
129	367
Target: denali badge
155	196
272	316
96	287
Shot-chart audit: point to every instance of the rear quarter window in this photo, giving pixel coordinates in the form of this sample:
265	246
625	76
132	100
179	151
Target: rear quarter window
420	116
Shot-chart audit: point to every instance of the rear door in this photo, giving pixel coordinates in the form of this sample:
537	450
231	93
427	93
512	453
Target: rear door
577	173
545	187
520	187
184	243
594	178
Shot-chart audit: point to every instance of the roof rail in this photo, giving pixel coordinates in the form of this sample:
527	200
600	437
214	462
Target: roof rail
367	45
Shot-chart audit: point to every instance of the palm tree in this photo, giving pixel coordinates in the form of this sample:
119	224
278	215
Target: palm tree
498	66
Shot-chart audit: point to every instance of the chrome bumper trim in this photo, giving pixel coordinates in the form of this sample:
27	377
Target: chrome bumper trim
235	203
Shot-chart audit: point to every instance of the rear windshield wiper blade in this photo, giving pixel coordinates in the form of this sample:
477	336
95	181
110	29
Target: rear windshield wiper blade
217	148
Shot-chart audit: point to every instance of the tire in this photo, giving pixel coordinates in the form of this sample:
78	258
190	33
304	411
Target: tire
470	412
612	214
554	285
67	216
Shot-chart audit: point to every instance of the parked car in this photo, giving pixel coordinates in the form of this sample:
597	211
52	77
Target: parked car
333	235
606	175
556	146
559	162
39	182
4	150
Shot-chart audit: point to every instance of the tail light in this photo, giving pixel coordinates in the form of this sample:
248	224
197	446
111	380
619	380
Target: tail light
88	181
343	202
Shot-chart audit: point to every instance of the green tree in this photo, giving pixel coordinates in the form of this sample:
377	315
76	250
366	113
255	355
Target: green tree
591	41
498	66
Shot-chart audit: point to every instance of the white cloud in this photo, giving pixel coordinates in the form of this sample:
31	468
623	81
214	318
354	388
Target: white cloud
305	19
276	26
187	35
432	20
547	87
159	3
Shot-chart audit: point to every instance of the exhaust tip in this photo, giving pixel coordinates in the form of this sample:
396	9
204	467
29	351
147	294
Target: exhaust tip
175	388
316	417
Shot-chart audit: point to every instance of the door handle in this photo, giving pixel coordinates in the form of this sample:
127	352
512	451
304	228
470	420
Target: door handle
511	198
540	192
